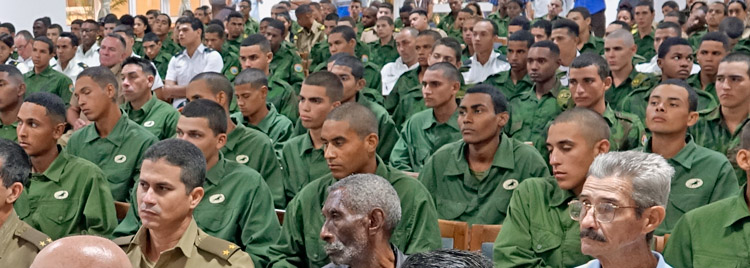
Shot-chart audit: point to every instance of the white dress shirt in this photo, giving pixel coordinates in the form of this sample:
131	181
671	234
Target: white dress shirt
478	73
90	57
391	72
652	67
182	68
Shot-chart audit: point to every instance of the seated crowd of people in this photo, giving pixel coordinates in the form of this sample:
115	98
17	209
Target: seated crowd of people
215	140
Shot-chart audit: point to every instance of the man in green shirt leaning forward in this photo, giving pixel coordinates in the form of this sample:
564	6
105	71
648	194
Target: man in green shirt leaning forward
144	108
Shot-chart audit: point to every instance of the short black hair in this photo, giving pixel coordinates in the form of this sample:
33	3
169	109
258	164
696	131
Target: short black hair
257	40
553	48
544	24
645	3
467	10
451	43
127	19
236	15
329	81
101	75
732	26
741	2
332	16
145	65
692	96
124	28
570	25
119	38
671	4
452	258
720	37
622	24
7	39
356	66
668	43
255	77
47	41
182	154
668	25
522	36
681	19
303	9
12	72
53	105
110	18
449	70
211	111
418	11
587	59
90	21
387	5
16	165
153	12
521	21
348	19
217	29
582	10
216	22
216	82
738	57
387	19
499	102
73	38
277	24
56	26
360	118
195	24
435	35
405	9
151	37
45	20
346	32
9	26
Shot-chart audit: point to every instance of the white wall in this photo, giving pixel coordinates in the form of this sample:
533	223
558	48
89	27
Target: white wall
22	13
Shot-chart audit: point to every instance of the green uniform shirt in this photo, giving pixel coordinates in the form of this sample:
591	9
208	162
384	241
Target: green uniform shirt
300	245
254	149
711	97
711	132
278	127
321	53
162	62
119	155
302	164
530	115
615	94
404	99
251	27
232	65
500	22
460	196
283	96
169	46
626	130
715	235
234	45
421	136
383	54
19	242
538	231
373	95
138	47
695	39
637	101
8	132
156	116
398	23
702	176
49	81
287	66
371	74
446	21
645	44
71	197
503	81
237	207
593	45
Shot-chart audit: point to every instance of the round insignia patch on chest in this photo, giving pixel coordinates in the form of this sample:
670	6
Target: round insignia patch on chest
510	184
120	158
242	159
365	58
298	68
216	199
148	123
60	195
234	70
70	88
694	183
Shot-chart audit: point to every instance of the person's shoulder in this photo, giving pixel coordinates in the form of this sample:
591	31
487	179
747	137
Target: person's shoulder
163	107
83	166
137	132
420	117
32	236
626	117
644	80
252	136
244	172
123	241
445	152
708	156
217	248
716	211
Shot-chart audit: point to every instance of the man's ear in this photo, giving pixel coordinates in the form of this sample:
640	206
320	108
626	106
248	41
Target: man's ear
602	147
195	196
376	219
743	159
361	83
221	140
371	141
658	63
607	83
14	191
652	217
502	119
692	118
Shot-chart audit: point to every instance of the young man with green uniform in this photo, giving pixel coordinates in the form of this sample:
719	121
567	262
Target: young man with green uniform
286	63
113	142
516	80
169	191
587	41
426	131
619	50
449	20
383	50
67	195
255	52
713	47
538	229
472	180
153	52
161	26
589	79
715	235
321	51
251	91
141	105
302	156
234	28
702	176
343	40
215	38
238	206
20	241
12	90
244	145
42	77
251	26
644	35
350	137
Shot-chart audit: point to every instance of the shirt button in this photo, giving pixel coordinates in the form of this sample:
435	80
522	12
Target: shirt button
538	246
59	218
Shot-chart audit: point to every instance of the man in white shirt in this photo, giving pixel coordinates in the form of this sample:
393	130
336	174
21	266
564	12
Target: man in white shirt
66	46
663	31
88	50
406	46
485	61
127	33
195	59
23	43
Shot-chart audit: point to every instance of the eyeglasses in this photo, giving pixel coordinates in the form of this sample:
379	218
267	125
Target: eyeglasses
603	212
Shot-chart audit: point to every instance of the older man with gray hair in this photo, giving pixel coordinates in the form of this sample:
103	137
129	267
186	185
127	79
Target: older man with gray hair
628	192
361	212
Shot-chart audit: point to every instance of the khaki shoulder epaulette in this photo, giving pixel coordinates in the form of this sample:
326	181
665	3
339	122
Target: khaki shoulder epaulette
33	236
124	240
219	247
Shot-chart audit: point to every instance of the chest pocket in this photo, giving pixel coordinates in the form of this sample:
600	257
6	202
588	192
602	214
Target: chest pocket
543	242
314	246
449	209
421	155
214	218
54	217
706	261
685	202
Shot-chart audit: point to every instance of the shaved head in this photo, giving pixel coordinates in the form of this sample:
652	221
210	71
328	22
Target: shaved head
359	117
591	123
82	251
621	34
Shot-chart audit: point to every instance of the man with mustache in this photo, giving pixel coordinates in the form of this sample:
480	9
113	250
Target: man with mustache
169	189
360	213
620	206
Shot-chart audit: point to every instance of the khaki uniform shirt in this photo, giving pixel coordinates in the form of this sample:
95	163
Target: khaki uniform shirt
19	242
307	38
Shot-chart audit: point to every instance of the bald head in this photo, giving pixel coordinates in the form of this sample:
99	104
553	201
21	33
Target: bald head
81	251
589	122
621	34
360	118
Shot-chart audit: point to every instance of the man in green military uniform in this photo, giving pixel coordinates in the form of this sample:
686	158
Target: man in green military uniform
152	47
701	176
255	52
302	156
383	51
234	29
619	49
113	142
449	20
472	180
12	86
644	35
718	129
238	206
20	241
42	77
310	33
321	51
168	192
713	47
343	40
251	26
214	38
350	135
535	108
501	20
516	80
161	27
251	91
587	42
589	79
538	230
722	240
428	130
156	116
67	195
286	63
244	145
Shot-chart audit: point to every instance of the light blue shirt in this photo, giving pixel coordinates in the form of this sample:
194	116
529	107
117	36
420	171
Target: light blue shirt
595	263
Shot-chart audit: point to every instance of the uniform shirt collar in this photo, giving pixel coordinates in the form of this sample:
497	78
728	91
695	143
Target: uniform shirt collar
737	208
115	136
503	157
234	136
307	145
431	121
57	167
185	244
146	108
267	122
558	196
686	155
217	172
609	115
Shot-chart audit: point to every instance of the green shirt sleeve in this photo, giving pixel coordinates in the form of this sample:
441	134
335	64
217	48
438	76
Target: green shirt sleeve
286	252
679	249
400	154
